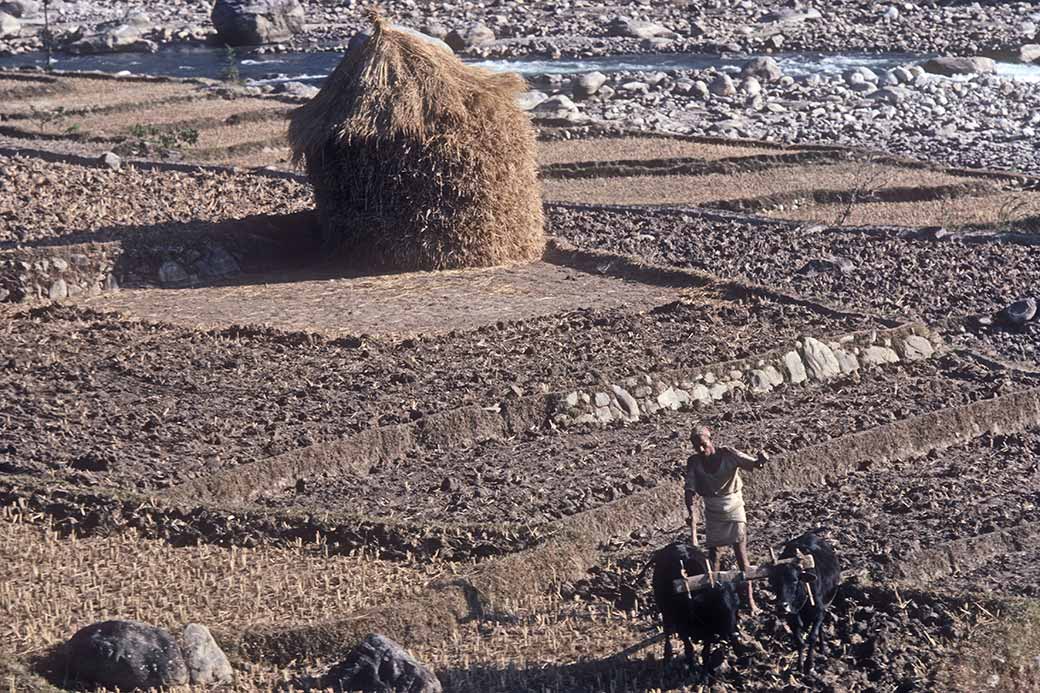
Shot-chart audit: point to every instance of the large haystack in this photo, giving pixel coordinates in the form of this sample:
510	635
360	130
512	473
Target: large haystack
419	161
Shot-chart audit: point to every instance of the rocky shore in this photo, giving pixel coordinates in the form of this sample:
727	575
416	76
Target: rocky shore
573	28
971	120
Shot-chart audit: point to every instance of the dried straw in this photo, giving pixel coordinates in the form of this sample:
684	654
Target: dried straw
419	161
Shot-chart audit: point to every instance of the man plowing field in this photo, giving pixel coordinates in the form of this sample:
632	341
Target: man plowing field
713	474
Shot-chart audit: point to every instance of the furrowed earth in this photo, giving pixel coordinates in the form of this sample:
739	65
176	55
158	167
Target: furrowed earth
204	419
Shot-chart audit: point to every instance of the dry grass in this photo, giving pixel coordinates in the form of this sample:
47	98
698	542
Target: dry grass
999	209
613	148
50	587
80	93
1002	653
242	133
166	115
696	190
419	161
275	156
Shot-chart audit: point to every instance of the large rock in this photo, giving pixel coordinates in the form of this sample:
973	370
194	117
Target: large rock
9	26
765	69
722	85
820	362
791	15
794	369
255	22
20	8
115	38
380	665
1019	312
559	109
528	100
633	28
360	38
949	67
1029	53
207	664
125	655
588	84
878	356
469	36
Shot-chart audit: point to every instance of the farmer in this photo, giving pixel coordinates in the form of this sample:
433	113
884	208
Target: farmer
714	475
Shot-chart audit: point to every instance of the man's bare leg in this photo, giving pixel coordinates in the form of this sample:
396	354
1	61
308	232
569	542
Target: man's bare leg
740	549
714	559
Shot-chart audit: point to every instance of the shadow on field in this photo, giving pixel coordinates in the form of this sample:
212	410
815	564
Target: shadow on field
628	676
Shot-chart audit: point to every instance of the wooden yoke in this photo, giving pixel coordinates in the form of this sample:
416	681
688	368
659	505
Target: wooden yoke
757	572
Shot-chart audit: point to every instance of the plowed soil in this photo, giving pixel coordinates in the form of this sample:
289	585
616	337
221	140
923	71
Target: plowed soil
62	203
878	639
882	274
116	401
520	481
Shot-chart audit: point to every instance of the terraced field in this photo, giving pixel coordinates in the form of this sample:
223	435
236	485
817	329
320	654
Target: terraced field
297	452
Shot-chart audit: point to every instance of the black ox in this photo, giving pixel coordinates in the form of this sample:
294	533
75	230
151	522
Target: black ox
707	615
802	596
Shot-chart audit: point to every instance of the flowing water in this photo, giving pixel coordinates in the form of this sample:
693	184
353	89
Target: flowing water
215	63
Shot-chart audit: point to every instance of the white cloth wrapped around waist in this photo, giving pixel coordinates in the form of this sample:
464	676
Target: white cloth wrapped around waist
725	508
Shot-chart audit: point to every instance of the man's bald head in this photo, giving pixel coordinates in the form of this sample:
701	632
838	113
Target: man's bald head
701	439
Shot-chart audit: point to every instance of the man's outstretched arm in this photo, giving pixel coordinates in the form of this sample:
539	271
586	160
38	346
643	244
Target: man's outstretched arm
746	461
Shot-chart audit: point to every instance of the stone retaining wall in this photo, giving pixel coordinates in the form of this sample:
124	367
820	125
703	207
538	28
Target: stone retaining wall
810	360
56	272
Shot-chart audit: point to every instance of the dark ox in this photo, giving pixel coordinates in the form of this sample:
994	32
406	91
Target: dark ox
707	615
792	585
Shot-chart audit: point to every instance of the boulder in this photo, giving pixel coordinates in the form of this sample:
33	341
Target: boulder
530	99
760	382
469	36
1029	53
255	22
125	655
891	95
751	86
846	361
110	160
860	74
171	273
766	69
9	26
297	90
632	28
1019	312
361	37
588	84
559	109
794	369
206	662
379	665
114	38
628	403
20	8
722	85
820	362
949	66
878	356
791	15
916	348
